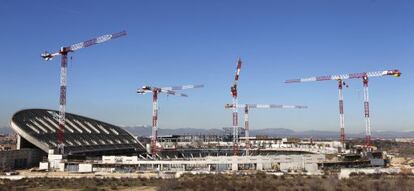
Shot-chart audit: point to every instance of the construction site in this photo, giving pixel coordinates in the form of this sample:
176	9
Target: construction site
71	143
91	141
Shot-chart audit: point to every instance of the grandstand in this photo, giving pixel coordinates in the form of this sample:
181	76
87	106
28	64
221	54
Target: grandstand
36	128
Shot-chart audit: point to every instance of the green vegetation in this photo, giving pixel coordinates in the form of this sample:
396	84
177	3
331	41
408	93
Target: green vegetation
392	147
401	149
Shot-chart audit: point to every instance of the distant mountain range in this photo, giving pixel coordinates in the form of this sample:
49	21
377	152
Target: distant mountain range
274	132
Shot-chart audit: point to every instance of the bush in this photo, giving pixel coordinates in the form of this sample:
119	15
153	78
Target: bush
90	189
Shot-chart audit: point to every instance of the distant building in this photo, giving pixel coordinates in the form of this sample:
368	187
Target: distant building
404	140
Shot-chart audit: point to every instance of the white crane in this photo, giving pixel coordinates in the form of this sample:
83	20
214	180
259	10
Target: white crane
155	91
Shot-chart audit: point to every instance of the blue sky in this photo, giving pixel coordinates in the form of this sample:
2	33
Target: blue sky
198	42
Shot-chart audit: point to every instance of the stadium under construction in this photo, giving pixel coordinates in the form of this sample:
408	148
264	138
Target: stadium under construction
68	142
95	146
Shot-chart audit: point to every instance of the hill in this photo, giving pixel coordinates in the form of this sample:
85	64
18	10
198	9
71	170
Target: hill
274	132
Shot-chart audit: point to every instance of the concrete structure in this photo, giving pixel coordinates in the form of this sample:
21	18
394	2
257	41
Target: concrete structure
54	160
257	144
36	128
282	144
85	168
43	166
285	163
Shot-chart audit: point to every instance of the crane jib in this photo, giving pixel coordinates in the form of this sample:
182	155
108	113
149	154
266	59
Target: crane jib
357	75
97	40
394	72
320	78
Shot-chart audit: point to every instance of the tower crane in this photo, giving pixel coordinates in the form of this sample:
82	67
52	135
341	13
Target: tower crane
64	51
155	91
258	106
340	78
233	90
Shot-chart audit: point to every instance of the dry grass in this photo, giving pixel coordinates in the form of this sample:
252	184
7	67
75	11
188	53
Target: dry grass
85	184
266	182
220	182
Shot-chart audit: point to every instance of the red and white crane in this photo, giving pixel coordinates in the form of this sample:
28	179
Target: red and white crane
64	51
233	90
258	106
155	91
340	78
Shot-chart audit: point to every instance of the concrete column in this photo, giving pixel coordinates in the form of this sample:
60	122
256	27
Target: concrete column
19	142
259	166
234	166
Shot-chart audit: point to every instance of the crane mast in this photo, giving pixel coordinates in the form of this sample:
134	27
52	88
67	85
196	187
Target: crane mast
62	102
63	78
154	133
235	110
247	129
235	128
341	112
366	113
